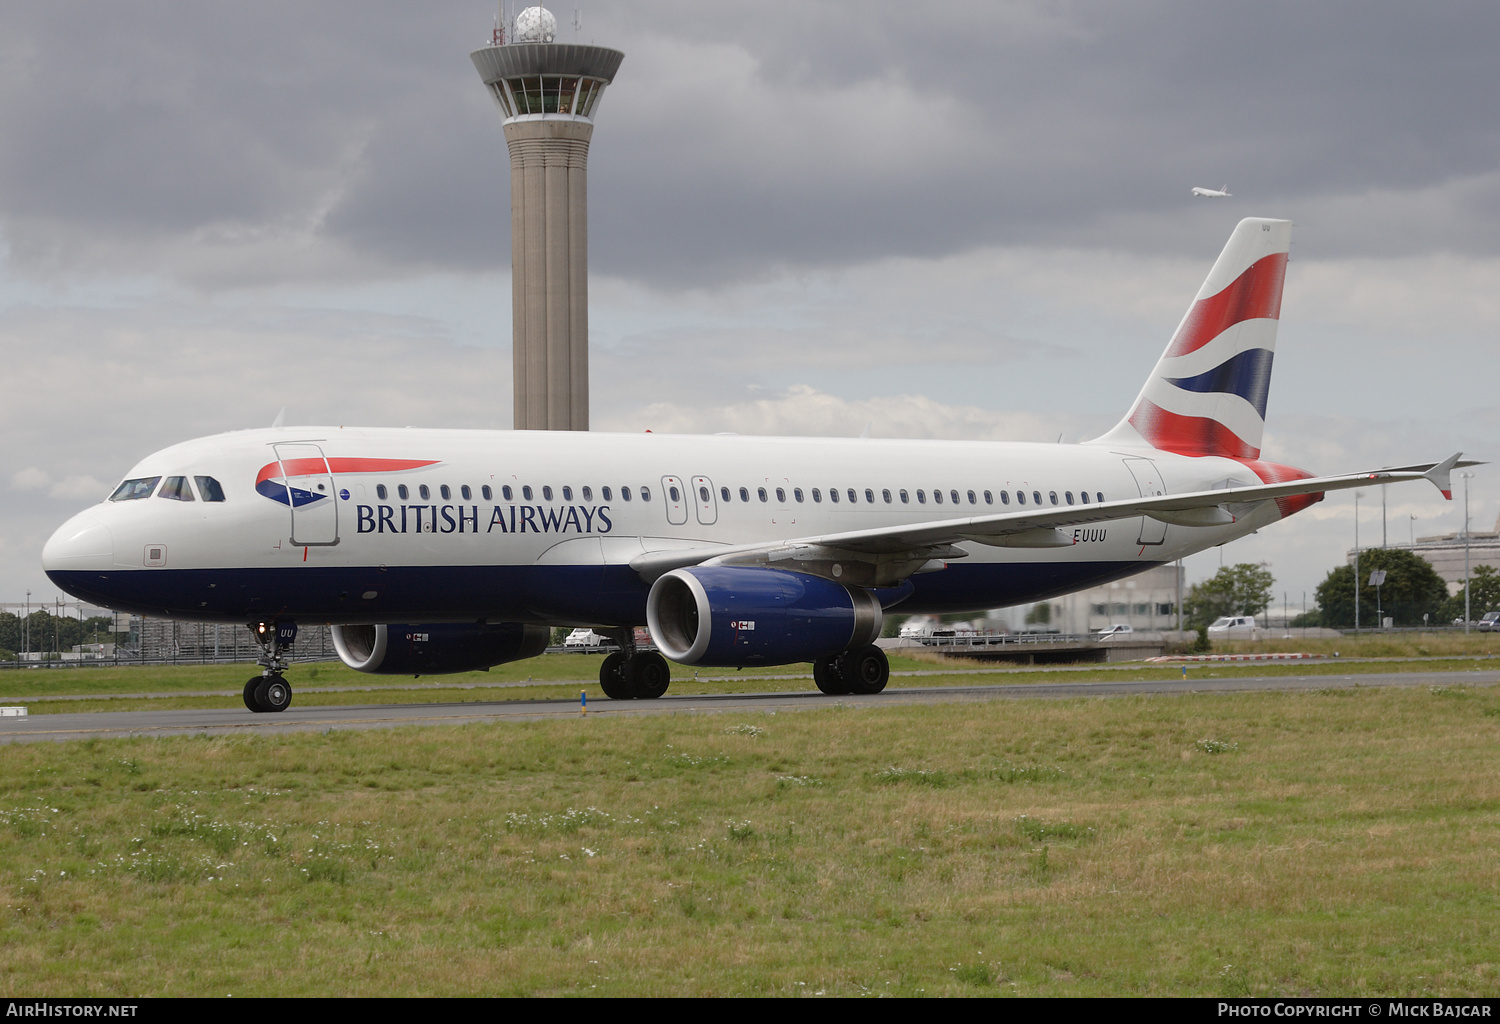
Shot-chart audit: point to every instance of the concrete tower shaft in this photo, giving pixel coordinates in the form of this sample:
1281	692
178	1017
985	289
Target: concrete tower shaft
548	93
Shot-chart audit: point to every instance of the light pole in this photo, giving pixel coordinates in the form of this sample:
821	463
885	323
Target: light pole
1414	531
1357	495
1467	477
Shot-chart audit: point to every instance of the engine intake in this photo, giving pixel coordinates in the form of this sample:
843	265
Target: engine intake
417	650
732	615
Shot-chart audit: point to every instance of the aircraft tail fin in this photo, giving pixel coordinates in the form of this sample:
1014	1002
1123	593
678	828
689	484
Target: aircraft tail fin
1207	394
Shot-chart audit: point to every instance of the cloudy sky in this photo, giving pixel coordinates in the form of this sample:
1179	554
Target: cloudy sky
803	217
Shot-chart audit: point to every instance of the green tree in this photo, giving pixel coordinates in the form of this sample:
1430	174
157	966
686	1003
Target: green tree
1040	614
1484	595
1243	589
1411	589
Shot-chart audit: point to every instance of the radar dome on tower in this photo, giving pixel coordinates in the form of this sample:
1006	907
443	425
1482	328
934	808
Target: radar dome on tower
535	25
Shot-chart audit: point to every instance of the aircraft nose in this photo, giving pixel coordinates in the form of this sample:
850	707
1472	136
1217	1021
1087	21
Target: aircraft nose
83	543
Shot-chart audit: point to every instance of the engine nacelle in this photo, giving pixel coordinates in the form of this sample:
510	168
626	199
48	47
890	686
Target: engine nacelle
420	650
732	615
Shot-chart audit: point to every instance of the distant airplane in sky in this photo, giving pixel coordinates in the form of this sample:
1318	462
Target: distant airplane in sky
1212	193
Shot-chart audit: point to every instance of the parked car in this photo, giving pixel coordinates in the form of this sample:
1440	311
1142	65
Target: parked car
1118	629
1489	622
583	638
1228	626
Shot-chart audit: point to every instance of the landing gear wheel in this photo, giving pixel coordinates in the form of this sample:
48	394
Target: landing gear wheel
828	677
250	694
648	675
273	694
866	670
612	678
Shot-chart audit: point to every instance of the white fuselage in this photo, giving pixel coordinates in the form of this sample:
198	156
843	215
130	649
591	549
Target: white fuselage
538	526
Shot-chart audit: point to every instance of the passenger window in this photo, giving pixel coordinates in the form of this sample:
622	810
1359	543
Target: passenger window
468	494
937	496
1068	495
852	496
486	493
744	494
954	496
703	495
445	492
781	495
921	496
624	493
176	488
605	492
1020	497
507	492
645	494
1100	496
760	492
209	488
904	498
1036	497
1005	497
676	495
886	494
134	490
833	494
526	492
973	500
817	494
380	491
724	493
588	493
402	491
424	492
1085	496
989	499
1053	496
546	492
797	493
567	494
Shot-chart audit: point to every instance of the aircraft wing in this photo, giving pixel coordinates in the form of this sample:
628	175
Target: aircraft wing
887	555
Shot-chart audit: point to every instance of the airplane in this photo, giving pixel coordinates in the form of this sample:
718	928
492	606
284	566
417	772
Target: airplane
432	551
1210	193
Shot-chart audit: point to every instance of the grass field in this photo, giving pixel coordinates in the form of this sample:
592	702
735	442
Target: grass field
564	675
1340	842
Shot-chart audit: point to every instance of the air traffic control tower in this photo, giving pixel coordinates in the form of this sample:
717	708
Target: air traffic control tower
548	92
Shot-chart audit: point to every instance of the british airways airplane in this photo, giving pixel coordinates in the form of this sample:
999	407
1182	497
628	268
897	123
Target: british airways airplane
432	551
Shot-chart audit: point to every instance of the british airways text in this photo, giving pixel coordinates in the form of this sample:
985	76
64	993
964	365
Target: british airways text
467	519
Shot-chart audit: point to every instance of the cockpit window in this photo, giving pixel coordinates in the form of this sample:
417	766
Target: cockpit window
209	488
176	488
133	490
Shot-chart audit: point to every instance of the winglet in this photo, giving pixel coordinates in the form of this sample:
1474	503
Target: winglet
1439	475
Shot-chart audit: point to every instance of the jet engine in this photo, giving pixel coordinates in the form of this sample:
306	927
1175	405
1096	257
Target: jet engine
732	615
419	650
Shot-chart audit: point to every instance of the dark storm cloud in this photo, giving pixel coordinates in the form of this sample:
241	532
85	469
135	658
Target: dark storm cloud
738	139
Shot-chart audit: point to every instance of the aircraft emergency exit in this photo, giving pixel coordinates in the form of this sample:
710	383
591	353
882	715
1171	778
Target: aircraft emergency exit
433	551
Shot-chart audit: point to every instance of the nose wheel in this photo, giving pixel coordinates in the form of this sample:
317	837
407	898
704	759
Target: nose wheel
269	692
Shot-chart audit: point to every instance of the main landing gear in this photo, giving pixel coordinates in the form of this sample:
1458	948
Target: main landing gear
864	670
269	691
633	674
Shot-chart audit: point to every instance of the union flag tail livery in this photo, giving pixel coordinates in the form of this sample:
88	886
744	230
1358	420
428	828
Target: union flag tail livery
1207	394
434	551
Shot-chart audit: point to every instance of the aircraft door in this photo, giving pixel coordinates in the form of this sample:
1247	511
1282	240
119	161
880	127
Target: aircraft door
1148	479
675	495
705	502
310	495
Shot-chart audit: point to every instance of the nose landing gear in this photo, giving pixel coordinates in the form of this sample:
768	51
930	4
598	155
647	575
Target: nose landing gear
268	691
